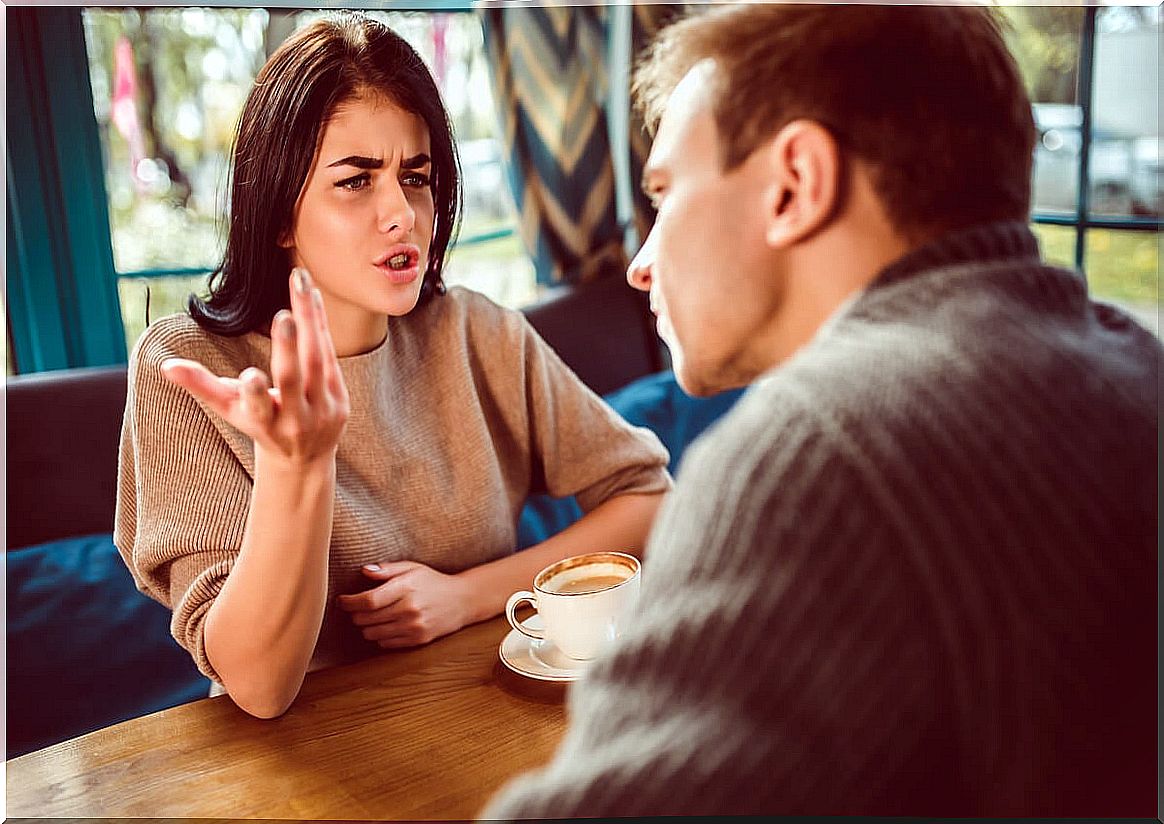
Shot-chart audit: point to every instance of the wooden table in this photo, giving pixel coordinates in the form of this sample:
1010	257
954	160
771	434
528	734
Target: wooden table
429	733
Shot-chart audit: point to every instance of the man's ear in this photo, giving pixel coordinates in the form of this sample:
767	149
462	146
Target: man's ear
804	165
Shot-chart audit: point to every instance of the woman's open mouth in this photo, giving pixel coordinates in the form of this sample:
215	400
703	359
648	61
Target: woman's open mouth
400	263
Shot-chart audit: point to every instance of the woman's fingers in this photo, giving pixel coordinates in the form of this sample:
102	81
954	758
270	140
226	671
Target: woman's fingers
394	635
245	402
294	412
256	401
220	394
308	339
376	598
298	412
285	363
333	378
398	611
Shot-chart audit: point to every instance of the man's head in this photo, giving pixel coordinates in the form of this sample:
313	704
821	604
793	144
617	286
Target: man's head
799	149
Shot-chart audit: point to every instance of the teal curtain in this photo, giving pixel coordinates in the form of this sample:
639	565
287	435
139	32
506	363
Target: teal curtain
62	303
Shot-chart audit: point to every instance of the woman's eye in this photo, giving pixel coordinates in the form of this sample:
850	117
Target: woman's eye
416	179
354	184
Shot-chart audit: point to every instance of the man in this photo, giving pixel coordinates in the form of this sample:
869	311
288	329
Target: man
913	571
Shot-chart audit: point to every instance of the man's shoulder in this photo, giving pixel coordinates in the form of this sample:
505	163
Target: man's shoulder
772	420
936	384
976	333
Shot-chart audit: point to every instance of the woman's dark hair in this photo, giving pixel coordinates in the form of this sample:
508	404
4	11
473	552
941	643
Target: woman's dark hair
308	77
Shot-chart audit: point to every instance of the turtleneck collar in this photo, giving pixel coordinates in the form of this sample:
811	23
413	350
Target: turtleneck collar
978	244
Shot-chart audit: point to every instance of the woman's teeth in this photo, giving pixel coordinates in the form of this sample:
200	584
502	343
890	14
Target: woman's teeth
398	262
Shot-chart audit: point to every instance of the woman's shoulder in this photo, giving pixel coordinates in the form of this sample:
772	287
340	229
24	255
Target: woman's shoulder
474	304
477	315
180	336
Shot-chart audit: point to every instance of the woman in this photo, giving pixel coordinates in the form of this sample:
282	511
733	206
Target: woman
358	483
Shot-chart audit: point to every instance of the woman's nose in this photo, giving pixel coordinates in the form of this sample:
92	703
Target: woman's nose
396	214
642	268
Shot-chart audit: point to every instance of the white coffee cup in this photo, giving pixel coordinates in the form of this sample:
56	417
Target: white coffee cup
583	601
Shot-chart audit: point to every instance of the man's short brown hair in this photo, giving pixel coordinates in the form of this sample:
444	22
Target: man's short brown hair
928	96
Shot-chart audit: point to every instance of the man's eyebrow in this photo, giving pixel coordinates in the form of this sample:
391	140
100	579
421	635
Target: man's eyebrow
359	161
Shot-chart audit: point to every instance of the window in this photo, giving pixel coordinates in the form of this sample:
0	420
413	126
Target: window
1093	76
168	87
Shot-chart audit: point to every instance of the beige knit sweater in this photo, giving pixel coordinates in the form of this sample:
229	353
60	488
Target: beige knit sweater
456	418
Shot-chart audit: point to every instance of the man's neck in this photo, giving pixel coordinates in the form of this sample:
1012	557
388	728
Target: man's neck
828	270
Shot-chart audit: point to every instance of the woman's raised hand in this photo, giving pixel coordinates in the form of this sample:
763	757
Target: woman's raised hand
299	418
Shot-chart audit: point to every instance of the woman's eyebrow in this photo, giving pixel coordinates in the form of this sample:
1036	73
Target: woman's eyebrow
363	162
359	161
416	161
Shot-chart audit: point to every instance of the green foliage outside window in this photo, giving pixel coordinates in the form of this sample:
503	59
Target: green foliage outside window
167	157
1045	43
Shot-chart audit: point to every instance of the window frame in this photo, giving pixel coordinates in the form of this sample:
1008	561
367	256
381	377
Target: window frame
1083	220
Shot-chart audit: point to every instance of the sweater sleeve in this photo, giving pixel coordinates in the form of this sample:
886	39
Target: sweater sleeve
771	667
182	496
581	446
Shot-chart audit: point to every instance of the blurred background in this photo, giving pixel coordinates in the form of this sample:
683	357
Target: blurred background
167	86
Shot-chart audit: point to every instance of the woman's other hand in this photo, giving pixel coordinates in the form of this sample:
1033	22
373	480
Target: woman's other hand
413	605
299	419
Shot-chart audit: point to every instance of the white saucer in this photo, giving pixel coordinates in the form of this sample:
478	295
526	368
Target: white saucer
538	659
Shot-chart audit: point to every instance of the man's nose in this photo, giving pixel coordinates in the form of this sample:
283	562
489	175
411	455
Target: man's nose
642	268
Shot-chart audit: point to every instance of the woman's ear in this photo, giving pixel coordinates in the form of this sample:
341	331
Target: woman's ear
804	165
285	240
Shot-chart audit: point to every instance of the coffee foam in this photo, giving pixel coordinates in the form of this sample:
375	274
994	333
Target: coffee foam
585	566
595	570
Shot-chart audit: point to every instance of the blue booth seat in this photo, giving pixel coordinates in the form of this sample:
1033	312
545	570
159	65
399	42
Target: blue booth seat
85	648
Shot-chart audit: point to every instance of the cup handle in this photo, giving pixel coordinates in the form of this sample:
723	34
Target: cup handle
515	600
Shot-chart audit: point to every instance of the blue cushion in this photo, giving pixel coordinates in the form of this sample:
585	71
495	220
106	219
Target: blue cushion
85	648
656	402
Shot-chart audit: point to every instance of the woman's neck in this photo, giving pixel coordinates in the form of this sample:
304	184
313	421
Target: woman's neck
354	330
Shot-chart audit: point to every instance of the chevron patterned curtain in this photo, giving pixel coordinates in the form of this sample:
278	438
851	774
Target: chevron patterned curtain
549	76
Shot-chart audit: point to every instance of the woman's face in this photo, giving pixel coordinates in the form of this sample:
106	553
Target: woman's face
364	219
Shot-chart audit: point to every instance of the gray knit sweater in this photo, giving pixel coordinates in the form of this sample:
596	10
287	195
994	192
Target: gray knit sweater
913	572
